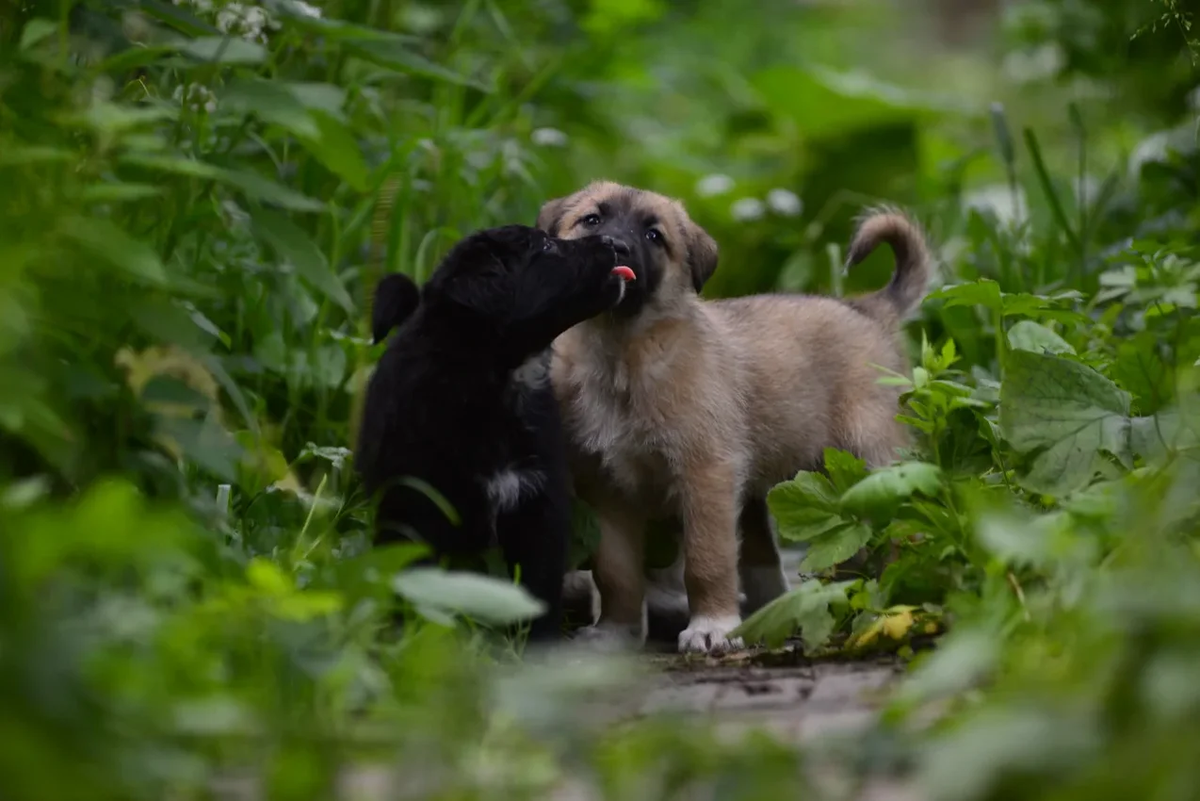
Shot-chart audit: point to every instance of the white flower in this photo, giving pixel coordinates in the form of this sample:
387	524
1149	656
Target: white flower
548	137
747	209
784	202
304	9
200	5
713	185
1153	148
1193	99
235	213
195	97
1026	66
998	199
247	21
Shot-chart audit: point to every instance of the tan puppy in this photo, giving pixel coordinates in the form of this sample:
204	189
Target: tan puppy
678	407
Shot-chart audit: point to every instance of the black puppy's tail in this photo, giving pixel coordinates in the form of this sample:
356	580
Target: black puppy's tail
914	265
396	297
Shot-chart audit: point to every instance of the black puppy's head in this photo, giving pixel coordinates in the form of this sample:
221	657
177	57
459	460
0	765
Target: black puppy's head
522	288
671	256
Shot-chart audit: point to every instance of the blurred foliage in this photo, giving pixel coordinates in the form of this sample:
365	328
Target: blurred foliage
198	195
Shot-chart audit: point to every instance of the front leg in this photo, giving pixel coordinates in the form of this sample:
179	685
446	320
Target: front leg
710	548
619	573
534	536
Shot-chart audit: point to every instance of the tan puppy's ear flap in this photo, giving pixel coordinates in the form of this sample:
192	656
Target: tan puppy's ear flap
550	217
701	255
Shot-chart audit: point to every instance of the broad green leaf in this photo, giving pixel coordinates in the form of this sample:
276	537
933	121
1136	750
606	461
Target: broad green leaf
835	546
335	147
35	31
846	100
266	576
113	118
984	292
118	192
225	50
961	660
34	154
253	185
109	243
881	492
324	97
388	54
257	187
804	507
805	609
272	102
479	598
1064	413
329	366
294	246
844	469
1031	336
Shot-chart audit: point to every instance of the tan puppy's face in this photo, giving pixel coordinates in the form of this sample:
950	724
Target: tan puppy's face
669	254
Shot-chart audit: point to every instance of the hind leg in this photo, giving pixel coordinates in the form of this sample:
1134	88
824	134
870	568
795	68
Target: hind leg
759	566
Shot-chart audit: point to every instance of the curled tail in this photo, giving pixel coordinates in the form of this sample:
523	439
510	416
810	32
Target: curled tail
914	266
396	297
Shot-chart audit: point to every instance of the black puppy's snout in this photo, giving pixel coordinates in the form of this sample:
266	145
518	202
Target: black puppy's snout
619	245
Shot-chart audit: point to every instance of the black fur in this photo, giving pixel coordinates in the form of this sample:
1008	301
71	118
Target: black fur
462	396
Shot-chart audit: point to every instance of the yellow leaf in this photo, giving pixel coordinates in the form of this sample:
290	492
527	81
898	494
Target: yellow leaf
897	626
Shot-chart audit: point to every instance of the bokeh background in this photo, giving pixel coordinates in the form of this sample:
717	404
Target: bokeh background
197	197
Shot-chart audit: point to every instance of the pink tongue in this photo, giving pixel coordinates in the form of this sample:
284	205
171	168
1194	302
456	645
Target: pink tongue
624	272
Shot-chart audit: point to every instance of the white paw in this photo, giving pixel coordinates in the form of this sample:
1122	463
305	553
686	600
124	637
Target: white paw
710	635
609	637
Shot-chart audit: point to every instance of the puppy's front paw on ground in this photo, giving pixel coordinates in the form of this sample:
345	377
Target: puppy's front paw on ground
608	637
710	635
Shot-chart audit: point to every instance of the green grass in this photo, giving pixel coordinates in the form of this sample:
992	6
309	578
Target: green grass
192	215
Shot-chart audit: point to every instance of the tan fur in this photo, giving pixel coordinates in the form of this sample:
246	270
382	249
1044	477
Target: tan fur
696	409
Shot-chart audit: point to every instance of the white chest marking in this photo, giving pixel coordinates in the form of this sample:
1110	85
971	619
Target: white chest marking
534	373
506	488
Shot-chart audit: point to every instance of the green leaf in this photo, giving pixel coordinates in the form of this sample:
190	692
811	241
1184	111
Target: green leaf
984	292
1065	414
388	54
109	243
835	546
272	102
324	97
806	608
35	31
1031	336
844	469
804	507
335	147
480	598
225	50
291	244
880	493
257	187
253	185
118	192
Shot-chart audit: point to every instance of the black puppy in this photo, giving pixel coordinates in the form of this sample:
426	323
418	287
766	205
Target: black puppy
461	400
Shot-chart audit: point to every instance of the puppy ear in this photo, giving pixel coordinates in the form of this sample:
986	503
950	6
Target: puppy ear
550	217
396	297
701	255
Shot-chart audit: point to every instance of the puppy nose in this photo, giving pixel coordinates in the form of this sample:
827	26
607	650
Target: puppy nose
619	245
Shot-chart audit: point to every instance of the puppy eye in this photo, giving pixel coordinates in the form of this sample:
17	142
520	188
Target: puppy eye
653	235
548	246
591	221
